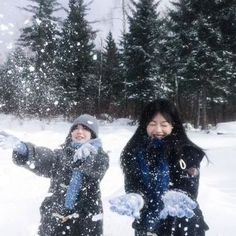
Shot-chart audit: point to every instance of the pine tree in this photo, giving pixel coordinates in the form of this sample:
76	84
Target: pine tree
141	53
40	39
75	58
227	25
196	50
15	83
41	36
111	77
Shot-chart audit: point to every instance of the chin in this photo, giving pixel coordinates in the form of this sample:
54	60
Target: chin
79	140
159	138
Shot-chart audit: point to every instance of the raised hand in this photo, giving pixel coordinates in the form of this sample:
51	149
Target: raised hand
177	204
8	141
87	149
129	204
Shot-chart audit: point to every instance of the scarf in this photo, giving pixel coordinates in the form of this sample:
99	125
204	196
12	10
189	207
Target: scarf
76	178
154	169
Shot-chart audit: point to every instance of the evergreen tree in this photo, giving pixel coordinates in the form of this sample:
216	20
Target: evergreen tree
227	25
196	55
40	37
111	77
15	83
141	52
75	58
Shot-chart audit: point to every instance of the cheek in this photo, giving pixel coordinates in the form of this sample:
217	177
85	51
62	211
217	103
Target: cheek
149	131
88	135
169	130
73	134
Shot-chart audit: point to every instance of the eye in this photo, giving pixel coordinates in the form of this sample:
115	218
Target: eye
164	126
152	124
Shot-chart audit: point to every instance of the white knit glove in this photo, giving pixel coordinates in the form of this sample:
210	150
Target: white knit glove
177	204
129	204
85	150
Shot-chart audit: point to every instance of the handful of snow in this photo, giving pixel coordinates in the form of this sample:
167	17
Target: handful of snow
177	204
129	204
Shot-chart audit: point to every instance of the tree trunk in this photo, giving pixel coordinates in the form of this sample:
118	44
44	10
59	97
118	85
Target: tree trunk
204	108
198	111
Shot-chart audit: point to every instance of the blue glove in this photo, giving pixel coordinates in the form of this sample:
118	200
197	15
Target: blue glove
21	148
177	204
129	204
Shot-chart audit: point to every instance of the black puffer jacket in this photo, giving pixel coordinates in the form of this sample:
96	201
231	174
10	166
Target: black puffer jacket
177	154
58	166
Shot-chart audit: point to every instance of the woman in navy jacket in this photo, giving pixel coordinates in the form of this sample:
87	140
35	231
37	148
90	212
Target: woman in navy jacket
161	173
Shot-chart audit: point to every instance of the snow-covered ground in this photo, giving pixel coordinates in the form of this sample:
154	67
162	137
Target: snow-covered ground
22	192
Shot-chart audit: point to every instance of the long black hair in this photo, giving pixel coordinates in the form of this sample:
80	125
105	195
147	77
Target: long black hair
170	112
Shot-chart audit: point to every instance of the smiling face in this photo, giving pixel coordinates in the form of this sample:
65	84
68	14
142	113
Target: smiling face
159	127
81	134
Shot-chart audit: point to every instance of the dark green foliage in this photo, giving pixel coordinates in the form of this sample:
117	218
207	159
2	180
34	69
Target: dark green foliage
188	56
75	56
41	35
15	83
141	53
198	55
111	77
39	39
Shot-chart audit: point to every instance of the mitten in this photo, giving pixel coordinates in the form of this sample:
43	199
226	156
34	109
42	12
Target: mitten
177	204
129	204
87	149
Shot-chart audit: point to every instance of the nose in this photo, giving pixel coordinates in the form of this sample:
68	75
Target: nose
158	129
79	129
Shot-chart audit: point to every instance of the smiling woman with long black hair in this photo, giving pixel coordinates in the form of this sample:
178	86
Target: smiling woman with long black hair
161	167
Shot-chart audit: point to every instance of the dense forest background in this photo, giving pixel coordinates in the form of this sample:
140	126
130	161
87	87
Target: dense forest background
186	54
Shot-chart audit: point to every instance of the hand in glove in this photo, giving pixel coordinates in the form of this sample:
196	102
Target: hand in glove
87	149
177	204
129	204
9	141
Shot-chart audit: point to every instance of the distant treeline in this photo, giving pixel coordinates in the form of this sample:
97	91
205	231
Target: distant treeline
186	54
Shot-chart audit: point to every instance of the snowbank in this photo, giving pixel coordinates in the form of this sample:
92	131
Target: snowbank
226	128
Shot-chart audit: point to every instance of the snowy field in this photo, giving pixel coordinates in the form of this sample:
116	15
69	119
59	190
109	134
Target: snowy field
22	192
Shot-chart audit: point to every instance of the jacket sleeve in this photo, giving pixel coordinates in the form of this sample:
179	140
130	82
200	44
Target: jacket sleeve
132	181
185	173
40	160
95	166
